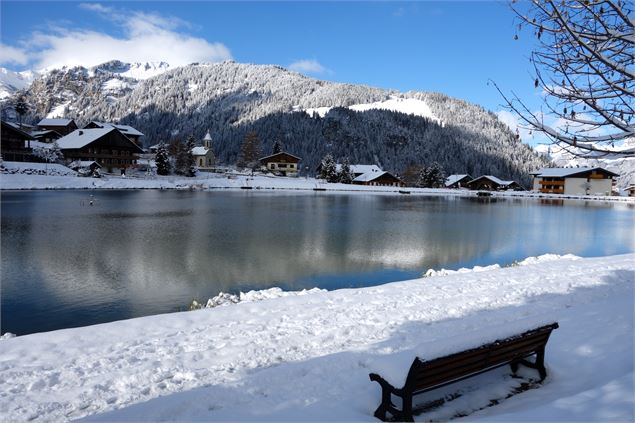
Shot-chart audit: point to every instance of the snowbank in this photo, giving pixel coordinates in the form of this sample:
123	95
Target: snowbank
224	299
307	357
29	168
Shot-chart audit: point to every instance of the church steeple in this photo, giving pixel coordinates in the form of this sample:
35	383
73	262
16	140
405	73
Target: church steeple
207	141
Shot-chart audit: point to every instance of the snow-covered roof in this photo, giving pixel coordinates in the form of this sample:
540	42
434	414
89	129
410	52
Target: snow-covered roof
199	151
369	176
81	137
83	163
282	153
360	169
562	172
15	127
208	137
125	129
495	180
44	132
452	179
54	122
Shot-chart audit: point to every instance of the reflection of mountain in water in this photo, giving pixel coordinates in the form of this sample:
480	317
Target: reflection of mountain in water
147	252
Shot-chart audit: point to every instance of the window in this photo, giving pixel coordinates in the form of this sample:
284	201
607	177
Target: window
272	165
282	165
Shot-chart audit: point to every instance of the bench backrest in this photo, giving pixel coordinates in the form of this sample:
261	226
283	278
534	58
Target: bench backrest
425	375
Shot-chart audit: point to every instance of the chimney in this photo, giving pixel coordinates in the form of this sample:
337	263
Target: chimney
81	132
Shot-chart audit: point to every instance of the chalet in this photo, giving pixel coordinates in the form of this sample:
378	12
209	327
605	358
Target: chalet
383	178
61	126
574	181
281	163
14	143
457	181
130	132
203	155
492	183
631	190
107	146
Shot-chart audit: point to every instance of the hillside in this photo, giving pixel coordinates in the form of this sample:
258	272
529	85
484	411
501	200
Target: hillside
309	116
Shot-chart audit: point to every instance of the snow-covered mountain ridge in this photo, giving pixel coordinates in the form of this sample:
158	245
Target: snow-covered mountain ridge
366	124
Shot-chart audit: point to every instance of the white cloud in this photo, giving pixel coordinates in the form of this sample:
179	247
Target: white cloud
146	37
12	55
308	66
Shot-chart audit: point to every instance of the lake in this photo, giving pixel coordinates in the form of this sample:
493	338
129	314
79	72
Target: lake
67	263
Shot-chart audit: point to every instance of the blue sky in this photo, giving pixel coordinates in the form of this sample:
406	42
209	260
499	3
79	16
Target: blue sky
451	47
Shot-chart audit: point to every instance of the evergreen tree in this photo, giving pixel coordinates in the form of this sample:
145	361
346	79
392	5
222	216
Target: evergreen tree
21	108
345	176
277	147
328	169
162	160
249	151
184	160
437	176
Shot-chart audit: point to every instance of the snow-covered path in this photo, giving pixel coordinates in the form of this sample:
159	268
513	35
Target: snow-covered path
308	357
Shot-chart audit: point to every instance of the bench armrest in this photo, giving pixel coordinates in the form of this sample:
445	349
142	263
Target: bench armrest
384	383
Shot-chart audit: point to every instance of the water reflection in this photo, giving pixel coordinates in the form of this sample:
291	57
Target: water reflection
146	252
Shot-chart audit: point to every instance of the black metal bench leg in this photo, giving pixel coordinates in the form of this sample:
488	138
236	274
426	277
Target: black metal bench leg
380	413
540	363
407	408
514	366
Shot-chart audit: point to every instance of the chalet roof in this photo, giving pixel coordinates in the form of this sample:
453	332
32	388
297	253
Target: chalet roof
360	169
371	176
452	179
44	132
15	128
282	153
83	164
563	172
200	151
494	179
55	122
80	138
125	129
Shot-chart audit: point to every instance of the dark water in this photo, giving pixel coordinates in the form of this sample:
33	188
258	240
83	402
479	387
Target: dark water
66	263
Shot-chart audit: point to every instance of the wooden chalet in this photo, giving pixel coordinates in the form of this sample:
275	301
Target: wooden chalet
383	179
458	181
107	146
46	136
14	143
631	190
574	181
59	125
130	132
281	163
492	183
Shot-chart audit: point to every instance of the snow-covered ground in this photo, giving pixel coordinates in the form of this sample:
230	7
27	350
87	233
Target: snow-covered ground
307	357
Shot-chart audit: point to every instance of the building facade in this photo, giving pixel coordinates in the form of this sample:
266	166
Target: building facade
574	181
14	143
281	163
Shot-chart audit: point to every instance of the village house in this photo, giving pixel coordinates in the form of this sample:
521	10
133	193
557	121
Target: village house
46	136
14	143
59	125
130	132
203	155
382	178
492	183
457	181
107	146
574	181
281	163
631	190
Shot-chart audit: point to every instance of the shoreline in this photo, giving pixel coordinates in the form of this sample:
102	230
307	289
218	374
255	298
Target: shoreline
260	183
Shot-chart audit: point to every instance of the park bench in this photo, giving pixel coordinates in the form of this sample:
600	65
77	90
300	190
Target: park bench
425	376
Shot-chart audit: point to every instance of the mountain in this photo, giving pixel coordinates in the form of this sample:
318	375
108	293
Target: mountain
309	116
11	82
623	166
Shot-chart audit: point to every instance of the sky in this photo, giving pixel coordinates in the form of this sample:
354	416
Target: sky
453	47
